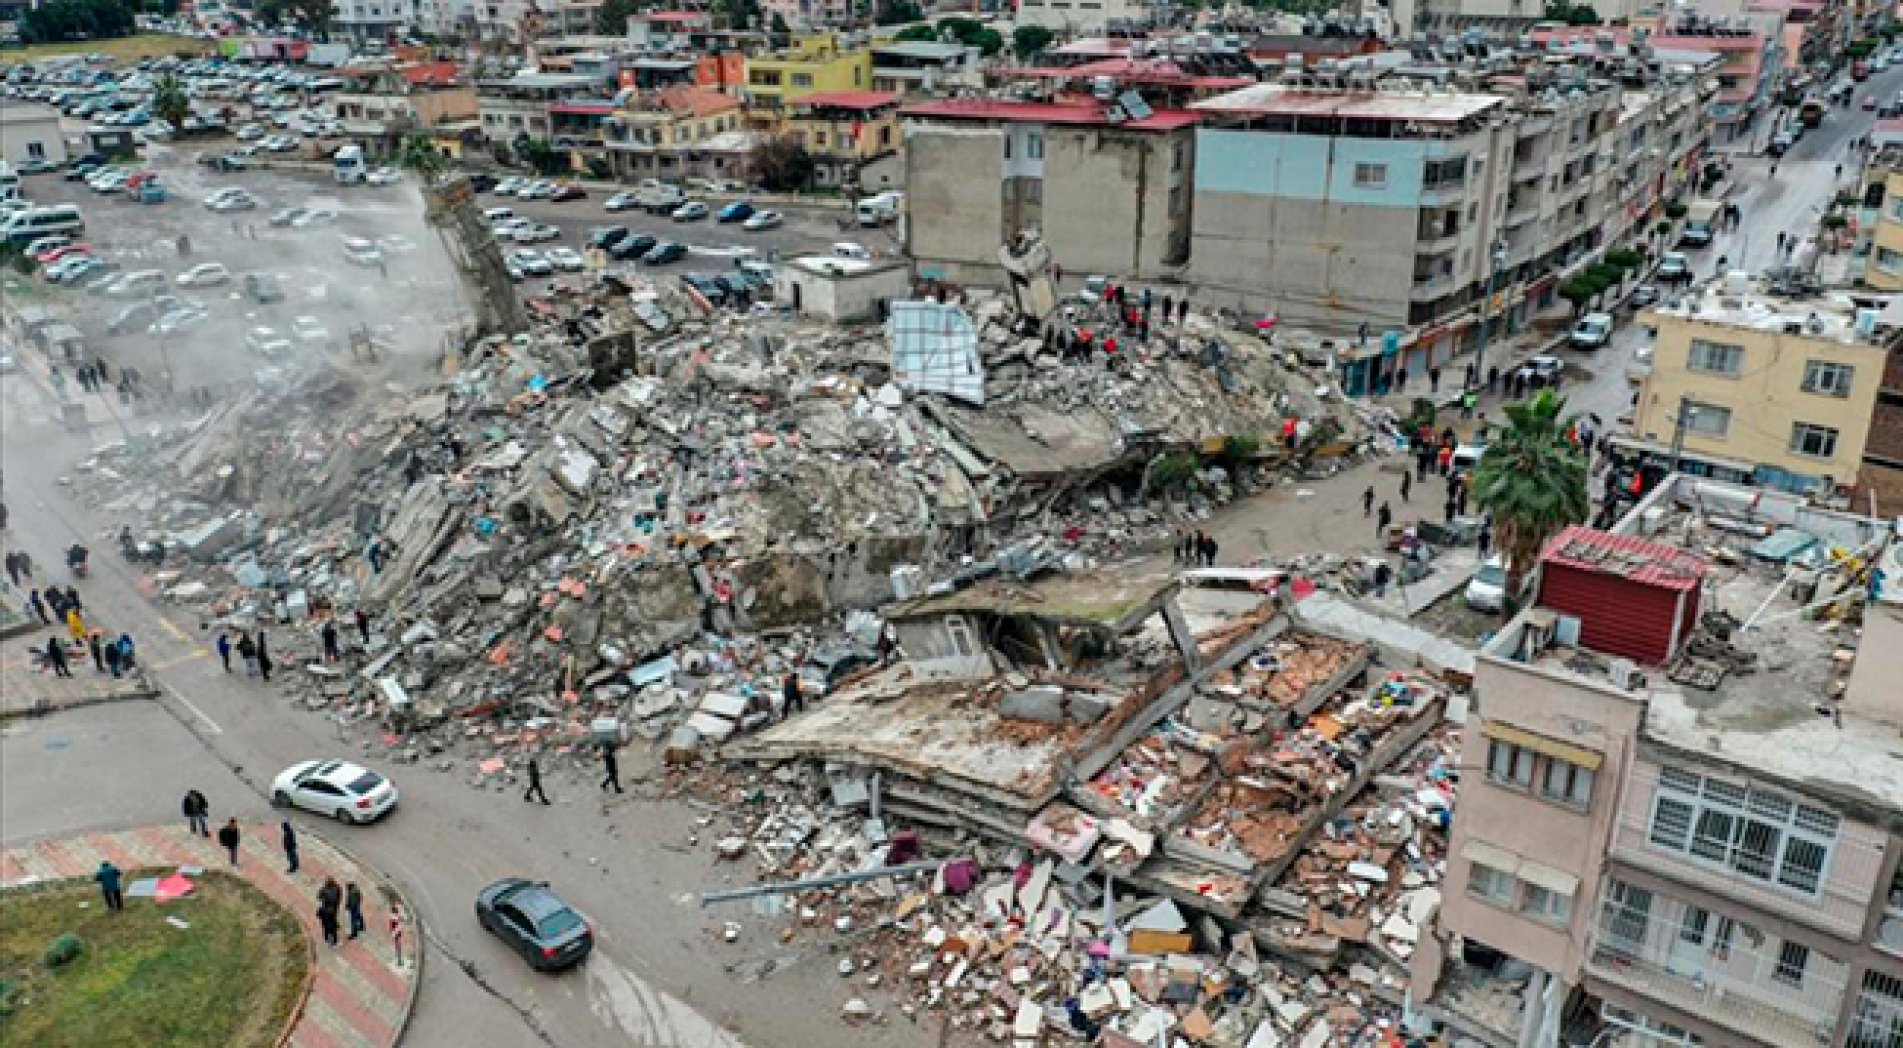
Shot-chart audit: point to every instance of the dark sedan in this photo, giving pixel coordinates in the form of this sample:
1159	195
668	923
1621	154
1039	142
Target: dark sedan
632	247
535	923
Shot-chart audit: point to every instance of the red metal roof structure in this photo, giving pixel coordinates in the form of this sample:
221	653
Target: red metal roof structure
847	99
1068	114
1633	559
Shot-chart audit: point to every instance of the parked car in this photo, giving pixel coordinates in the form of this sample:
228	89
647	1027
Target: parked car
534	922
738	211
536	233
228	200
664	253
635	245
287	217
605	237
509	186
361	252
565	260
1673	268
570	191
383	176
309	329
691	211
266	342
531	263
1644	295
263	288
205	274
1540	370
1593	331
346	791
623	201
1487	590
709	288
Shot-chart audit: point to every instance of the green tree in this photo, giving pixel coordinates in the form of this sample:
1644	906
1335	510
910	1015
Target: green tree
1533	480
781	164
78	20
739	14
611	18
170	103
1028	40
897	12
420	157
917	32
540	155
1571	14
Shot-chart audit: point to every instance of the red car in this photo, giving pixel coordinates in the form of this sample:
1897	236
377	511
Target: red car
571	191
54	254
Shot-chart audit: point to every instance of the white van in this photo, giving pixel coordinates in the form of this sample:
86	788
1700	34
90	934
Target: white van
141	282
879	209
347	165
36	222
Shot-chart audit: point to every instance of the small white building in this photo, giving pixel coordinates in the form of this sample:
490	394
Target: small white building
30	132
841	289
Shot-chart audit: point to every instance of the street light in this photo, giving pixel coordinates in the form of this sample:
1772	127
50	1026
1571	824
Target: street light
1499	260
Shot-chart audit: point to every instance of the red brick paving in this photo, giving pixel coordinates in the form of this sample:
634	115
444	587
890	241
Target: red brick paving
358	996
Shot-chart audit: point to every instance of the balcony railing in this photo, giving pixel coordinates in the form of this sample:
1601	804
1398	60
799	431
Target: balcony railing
1838	910
1735	985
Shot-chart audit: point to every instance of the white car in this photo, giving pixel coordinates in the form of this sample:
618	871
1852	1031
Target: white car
1487	590
250	133
541	189
309	329
764	220
280	143
313	216
176	320
396	243
384	176
226	200
531	263
509	186
690	211
109	181
343	790
361	252
267	343
535	233
620	202
566	260
204	274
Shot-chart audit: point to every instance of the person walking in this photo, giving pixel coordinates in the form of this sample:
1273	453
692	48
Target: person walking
1382	573
56	656
264	658
224	649
1433	379
108	877
290	845
329	636
535	791
196	809
1209	551
396	931
13	568
793	694
1407	484
39	607
353	906
248	652
363	626
1484	541
111	654
329	899
99	658
75	623
228	838
610	769
1367	501
72	599
1382	519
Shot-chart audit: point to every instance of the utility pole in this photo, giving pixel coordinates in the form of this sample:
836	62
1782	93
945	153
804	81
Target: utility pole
1685	410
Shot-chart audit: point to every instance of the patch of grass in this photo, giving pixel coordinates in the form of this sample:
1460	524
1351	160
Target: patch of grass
230	979
124	49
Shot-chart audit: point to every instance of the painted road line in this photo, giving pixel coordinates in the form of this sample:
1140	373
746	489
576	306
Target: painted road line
209	723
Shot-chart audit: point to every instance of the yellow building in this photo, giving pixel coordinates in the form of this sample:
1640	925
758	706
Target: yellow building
1761	389
1884	270
814	63
843	131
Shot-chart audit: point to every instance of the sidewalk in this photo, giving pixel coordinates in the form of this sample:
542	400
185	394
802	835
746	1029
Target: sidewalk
359	997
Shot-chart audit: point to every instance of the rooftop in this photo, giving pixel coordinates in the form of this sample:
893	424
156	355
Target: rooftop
1161	72
921	49
1104	600
1283	100
847	99
1760	680
17	112
1751	303
1625	556
1069	114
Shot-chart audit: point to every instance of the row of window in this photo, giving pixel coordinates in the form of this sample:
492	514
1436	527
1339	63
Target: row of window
1807	438
1702	932
1822	377
1763	836
1504	890
1559	780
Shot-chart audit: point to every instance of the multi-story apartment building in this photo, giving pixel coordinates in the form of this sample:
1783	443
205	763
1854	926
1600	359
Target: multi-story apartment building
1754	387
657	134
813	63
843	131
372	19
1083	17
1749	45
1509	16
1108	193
1681	812
924	67
1881	479
1883	267
513	107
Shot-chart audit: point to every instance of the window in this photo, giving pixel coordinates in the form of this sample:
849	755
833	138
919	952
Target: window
1176	201
1791	959
802	80
1442	174
36	150
1566	782
1494	886
1715	358
1031	190
1371	176
1509	764
1831	380
959	631
1176	157
1707	420
1762	835
1813	441
1007	147
1547	905
1034	146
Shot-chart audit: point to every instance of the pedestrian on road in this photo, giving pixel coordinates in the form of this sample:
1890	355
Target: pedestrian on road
224	649
1382	519
1468	402
1433	379
75	624
1485	540
72	599
329	635
13	568
26	564
108	878
1407	484
610	770
290	846
196	809
111	654
790	691
55	605
1452	505
1209	551
329	899
1367	501
396	931
1444	459
535	791
228	837
1493	379
264	658
1382	573
353	905
248	652
99	658
363	626
128	654
56	656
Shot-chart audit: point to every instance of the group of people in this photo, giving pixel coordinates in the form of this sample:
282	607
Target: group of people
95	377
253	652
1122	315
57	606
1195	548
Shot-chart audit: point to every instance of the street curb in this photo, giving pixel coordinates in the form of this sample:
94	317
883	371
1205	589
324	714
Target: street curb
79	704
414	918
291	1018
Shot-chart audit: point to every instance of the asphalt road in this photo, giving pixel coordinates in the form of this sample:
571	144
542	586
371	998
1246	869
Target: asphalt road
661	973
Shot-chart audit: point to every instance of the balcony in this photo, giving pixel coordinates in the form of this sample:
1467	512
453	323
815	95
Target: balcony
1427	289
1435	238
1681	957
1529	168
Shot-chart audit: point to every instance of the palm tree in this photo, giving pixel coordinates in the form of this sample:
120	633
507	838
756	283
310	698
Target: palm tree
1533	479
170	103
420	157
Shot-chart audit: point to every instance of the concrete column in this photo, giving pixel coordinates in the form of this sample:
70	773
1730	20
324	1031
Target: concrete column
1180	633
1546	996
